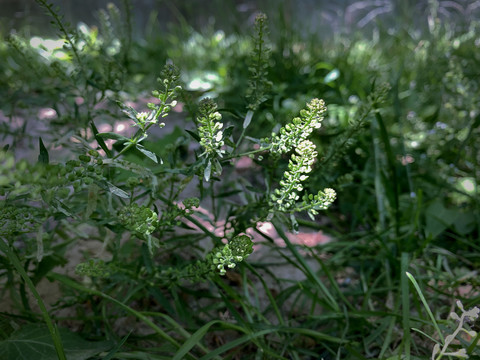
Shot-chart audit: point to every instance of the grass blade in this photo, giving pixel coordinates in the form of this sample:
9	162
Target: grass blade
194	340
405	304
308	271
425	304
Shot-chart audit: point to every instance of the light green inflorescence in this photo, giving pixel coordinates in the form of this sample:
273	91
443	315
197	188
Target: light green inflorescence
139	219
294	136
237	250
211	137
142	221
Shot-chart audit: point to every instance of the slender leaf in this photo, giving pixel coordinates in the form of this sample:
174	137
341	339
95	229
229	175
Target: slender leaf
193	340
117	191
100	140
112	135
248	119
193	135
43	157
147	153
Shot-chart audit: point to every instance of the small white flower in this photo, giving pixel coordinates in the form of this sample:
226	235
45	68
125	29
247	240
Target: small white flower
142	116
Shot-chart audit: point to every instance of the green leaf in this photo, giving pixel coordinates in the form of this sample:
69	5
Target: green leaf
323	65
229	142
193	340
34	342
147	153
128	110
61	207
228	131
100	141
91	200
193	135
465	223
208	171
248	119
117	191
112	352
439	218
254	140
112	135
43	155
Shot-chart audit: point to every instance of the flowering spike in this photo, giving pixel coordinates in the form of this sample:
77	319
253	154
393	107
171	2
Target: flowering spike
293	134
237	250
211	136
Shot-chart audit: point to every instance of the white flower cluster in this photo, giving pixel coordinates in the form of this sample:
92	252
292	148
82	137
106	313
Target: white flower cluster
237	250
300	164
291	135
210	129
321	201
295	135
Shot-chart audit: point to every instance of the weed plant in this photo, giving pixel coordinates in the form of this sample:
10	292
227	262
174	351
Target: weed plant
371	141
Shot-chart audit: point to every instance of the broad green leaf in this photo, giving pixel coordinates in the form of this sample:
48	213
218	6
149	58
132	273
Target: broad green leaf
465	223
439	218
34	342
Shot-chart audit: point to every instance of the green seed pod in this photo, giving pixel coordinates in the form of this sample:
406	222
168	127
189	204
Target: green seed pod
93	153
84	158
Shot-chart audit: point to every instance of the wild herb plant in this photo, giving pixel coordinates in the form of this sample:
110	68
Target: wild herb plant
401	158
467	316
259	86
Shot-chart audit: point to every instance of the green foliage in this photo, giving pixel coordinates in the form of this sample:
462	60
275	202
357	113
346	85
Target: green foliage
32	341
180	225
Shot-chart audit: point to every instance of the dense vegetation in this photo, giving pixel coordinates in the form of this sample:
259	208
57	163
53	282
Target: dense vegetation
258	194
